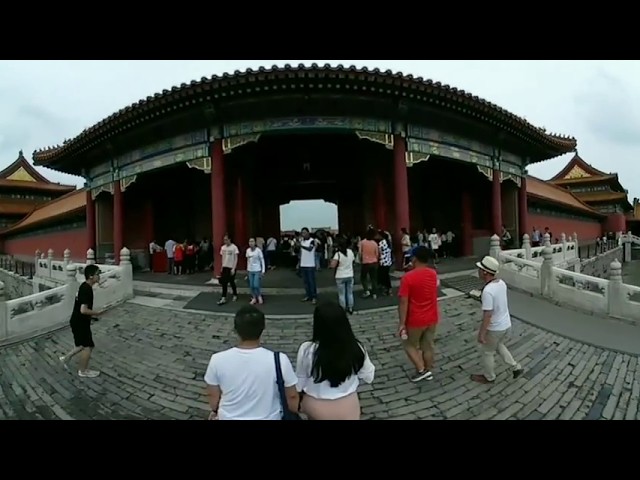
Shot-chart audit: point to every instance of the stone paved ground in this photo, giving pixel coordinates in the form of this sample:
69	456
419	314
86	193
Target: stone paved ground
153	361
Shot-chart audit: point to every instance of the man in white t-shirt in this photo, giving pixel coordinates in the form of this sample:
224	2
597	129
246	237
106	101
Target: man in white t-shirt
270	253
308	266
496	323
241	381
169	247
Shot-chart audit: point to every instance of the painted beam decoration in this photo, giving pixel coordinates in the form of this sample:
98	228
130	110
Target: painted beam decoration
238	134
422	142
191	148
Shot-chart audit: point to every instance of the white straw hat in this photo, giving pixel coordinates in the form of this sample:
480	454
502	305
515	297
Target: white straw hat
489	265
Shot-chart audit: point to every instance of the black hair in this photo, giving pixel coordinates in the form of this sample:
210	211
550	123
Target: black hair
338	353
304	229
341	245
421	254
249	323
371	234
90	271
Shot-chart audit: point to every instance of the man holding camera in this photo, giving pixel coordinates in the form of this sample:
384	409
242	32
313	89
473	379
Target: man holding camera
308	266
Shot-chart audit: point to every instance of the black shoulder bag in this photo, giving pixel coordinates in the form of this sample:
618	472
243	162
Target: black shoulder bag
286	413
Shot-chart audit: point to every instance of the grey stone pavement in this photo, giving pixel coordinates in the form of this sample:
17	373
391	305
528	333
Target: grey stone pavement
152	362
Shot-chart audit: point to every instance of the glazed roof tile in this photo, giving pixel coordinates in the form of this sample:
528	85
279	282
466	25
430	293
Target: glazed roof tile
208	87
64	205
548	191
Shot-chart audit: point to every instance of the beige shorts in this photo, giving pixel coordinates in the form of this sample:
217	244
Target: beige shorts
421	338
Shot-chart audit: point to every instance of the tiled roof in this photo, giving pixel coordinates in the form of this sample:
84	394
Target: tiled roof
578	163
21	174
75	201
548	191
36	186
15	208
210	90
601	196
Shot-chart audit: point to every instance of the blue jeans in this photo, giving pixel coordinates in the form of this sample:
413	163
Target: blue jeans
254	283
309	279
345	292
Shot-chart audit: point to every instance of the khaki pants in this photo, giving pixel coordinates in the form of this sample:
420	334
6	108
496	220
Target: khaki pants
495	343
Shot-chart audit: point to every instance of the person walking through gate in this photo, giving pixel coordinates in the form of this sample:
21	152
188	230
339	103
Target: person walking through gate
308	266
331	366
81	323
496	323
229	253
255	269
419	315
343	263
370	258
386	262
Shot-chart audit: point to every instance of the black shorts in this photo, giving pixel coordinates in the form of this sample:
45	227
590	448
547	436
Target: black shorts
82	335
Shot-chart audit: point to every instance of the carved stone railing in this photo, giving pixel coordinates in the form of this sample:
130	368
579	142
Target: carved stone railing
564	253
576	290
51	309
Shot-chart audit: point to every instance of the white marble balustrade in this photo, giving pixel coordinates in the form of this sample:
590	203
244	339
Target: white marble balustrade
549	279
51	309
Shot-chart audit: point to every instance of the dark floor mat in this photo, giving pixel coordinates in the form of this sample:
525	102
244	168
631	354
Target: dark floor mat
283	304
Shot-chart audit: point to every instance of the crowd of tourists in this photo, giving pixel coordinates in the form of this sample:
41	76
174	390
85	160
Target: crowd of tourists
251	382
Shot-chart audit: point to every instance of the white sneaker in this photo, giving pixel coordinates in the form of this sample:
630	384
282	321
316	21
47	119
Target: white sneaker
63	360
88	373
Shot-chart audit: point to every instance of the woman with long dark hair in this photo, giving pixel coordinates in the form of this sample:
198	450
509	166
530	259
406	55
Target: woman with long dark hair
331	366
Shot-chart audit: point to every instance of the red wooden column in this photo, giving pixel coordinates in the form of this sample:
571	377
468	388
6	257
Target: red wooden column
239	223
523	210
218	206
91	222
467	225
496	204
401	193
380	203
118	221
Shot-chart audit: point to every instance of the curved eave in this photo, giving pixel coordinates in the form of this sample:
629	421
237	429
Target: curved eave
35	186
583	210
17	229
216	89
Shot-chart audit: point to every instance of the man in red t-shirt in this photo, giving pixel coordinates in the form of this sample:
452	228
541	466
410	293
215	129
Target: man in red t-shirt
419	313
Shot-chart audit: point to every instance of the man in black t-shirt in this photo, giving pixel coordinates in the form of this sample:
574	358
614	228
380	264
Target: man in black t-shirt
81	323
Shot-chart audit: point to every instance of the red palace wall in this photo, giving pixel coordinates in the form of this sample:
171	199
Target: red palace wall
24	247
587	231
616	222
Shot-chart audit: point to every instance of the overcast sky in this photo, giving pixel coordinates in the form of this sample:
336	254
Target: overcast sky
598	102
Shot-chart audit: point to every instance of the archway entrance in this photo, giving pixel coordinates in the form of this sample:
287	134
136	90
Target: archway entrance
313	214
338	168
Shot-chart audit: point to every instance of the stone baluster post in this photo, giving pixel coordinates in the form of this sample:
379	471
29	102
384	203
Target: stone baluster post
563	241
127	272
72	283
526	245
91	257
37	267
626	247
66	257
577	246
616	294
50	260
4	314
546	240
494	250
546	271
